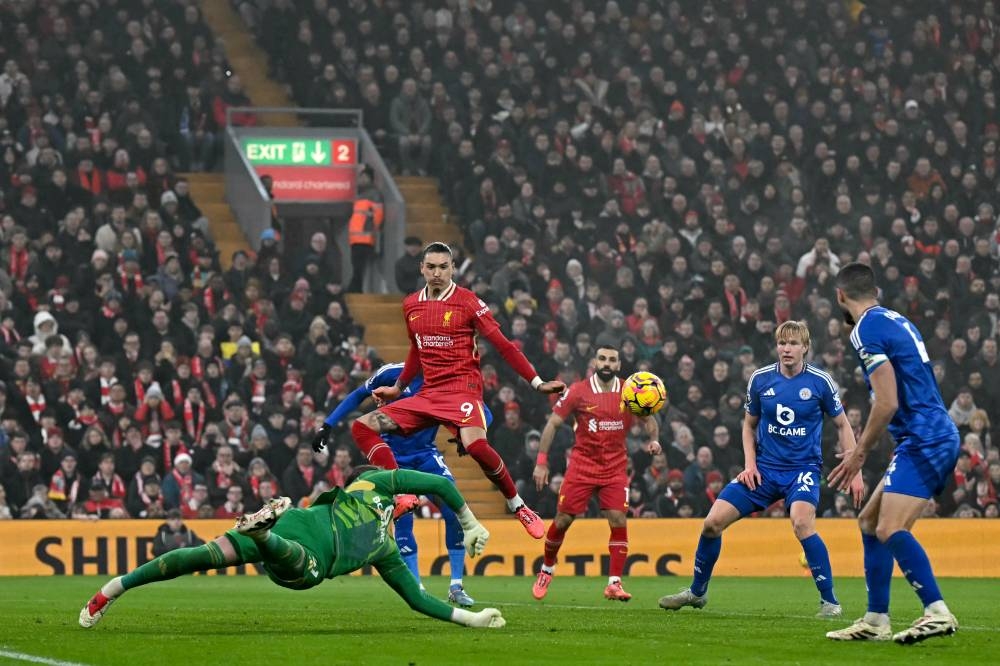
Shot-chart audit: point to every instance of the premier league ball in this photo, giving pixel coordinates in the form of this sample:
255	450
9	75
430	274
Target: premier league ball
643	393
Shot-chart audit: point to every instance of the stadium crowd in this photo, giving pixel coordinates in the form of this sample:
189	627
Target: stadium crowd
671	178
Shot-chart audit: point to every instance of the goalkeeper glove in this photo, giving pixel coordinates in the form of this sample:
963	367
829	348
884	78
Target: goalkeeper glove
320	440
475	539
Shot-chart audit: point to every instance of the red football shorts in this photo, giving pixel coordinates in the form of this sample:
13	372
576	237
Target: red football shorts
428	408
575	494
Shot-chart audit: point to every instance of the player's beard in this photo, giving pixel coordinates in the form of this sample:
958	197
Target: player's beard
605	374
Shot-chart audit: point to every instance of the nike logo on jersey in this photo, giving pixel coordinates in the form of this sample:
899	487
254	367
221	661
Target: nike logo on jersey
589	408
412	317
769	393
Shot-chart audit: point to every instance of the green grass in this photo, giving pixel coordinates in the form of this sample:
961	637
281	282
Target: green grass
244	620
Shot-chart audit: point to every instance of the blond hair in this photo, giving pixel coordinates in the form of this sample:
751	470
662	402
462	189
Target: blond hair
793	330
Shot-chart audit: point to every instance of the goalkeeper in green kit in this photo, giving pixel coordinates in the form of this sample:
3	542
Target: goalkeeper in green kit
344	530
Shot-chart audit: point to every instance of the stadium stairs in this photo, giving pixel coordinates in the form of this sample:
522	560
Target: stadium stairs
427	218
381	314
208	190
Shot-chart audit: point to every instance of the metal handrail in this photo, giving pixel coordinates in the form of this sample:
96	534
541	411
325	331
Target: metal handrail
358	114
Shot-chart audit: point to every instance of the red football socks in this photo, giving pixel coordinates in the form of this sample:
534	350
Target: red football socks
553	542
377	451
492	465
618	547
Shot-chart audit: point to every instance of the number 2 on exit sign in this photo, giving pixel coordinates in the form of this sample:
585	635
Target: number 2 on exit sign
344	152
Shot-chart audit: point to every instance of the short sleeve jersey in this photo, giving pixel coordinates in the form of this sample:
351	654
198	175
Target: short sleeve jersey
601	423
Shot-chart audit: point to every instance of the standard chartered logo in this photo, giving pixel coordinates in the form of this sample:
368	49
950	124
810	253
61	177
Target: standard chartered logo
785	415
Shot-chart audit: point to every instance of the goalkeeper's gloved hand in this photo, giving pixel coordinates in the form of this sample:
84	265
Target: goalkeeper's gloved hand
322	435
475	540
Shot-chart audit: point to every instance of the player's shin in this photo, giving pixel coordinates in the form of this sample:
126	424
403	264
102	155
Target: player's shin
818	559
553	542
878	575
915	565
618	550
705	558
454	539
372	446
494	469
176	563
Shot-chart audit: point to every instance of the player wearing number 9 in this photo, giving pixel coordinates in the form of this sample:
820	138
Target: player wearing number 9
907	402
782	442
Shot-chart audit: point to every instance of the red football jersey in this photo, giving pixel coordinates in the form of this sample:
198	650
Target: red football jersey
599	451
445	333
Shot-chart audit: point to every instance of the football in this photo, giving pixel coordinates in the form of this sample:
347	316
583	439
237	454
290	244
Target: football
643	393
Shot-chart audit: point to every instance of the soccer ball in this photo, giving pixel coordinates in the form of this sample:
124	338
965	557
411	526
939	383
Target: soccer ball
643	393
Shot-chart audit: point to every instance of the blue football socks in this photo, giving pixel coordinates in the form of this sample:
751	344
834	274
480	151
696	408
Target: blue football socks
915	566
704	561
878	573
819	564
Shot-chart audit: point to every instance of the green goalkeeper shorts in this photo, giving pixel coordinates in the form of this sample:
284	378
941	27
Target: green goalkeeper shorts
312	530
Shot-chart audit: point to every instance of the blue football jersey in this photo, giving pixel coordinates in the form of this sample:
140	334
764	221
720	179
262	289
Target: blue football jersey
791	411
882	335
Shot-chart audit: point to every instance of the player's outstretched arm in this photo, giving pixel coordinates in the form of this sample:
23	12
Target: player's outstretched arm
393	571
883	381
404	481
354	400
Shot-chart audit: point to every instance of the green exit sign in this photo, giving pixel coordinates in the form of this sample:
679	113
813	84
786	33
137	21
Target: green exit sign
288	152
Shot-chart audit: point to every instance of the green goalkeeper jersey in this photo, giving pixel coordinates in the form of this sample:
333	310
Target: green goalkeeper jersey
348	528
361	514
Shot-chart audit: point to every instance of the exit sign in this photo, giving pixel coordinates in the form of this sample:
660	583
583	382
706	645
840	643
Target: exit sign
300	152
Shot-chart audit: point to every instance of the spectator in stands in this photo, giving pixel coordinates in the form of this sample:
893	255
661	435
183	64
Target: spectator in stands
410	120
173	534
407	269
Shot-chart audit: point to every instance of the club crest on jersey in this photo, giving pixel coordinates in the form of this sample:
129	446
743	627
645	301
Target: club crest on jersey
805	394
447	318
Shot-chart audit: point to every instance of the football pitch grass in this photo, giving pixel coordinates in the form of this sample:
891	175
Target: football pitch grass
358	620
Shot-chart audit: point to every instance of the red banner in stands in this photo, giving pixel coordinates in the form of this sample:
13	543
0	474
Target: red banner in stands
334	183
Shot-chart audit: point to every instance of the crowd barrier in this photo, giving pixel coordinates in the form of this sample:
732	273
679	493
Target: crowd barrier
754	547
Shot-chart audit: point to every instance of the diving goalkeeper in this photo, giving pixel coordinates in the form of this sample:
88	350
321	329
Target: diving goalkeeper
344	530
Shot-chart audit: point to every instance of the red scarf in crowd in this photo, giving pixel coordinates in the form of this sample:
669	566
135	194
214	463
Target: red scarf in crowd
135	280
10	335
140	393
258	391
185	482
18	263
243	435
194	426
36	405
115	487
60	490
209	298
736	303
171	451
335	387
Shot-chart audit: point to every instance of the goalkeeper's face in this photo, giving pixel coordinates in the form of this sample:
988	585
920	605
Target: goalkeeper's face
607	364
